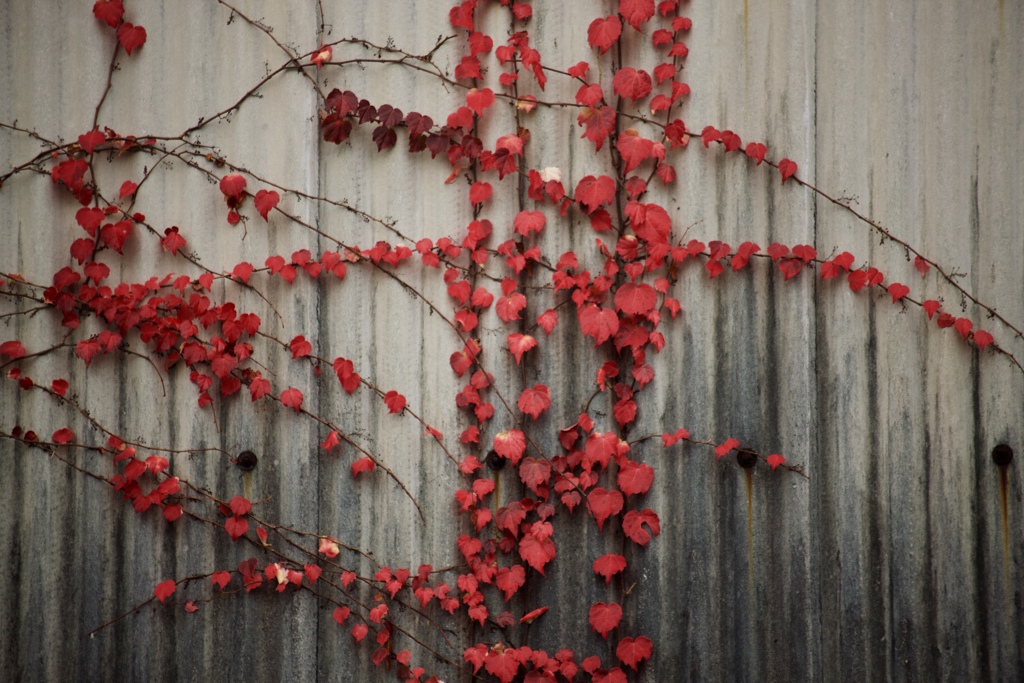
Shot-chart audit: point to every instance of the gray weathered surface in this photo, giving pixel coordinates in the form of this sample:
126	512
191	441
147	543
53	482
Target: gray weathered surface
887	564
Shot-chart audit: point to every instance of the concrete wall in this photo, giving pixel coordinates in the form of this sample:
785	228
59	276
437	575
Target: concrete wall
893	562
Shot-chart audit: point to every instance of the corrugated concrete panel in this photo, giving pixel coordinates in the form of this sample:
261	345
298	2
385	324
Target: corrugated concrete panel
889	563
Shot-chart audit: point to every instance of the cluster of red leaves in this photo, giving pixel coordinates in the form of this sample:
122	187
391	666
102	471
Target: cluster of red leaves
129	482
619	306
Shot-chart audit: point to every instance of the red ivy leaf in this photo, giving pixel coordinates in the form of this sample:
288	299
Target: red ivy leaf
921	265
364	464
479	192
547	320
671	439
725	447
292	398
963	326
633	148
240	506
604	617
603	504
378	613
777	250
599	323
580	69
478	100
527	222
599	122
534	401
775	460
535	473
636	12
510	579
312	572
236	527
12	349
509	306
265	201
787	168
300	347
63	436
536	551
258	388
329	548
394	401
475	655
844	260
519	344
529	618
609	565
131	37
88	142
756	151
164	589
114	235
172	240
593	193
510	444
931	307
790	267
897	291
86	349
633	299
336	128
232	185
859	279
661	37
220	579
632	83
710	134
502	663
81	249
96	271
805	252
347	375
731	141
322	55
982	339
837	266
109	11
615	675
632	525
664	71
635	478
624	411
242	271
589	95
603	33
631	652
331	441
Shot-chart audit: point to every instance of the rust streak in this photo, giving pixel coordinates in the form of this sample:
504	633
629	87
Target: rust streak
1004	508
747	473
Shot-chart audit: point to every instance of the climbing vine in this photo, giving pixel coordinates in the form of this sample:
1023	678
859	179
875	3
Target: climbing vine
616	294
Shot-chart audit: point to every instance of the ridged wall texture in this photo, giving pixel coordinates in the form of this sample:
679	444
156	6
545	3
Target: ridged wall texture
899	557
